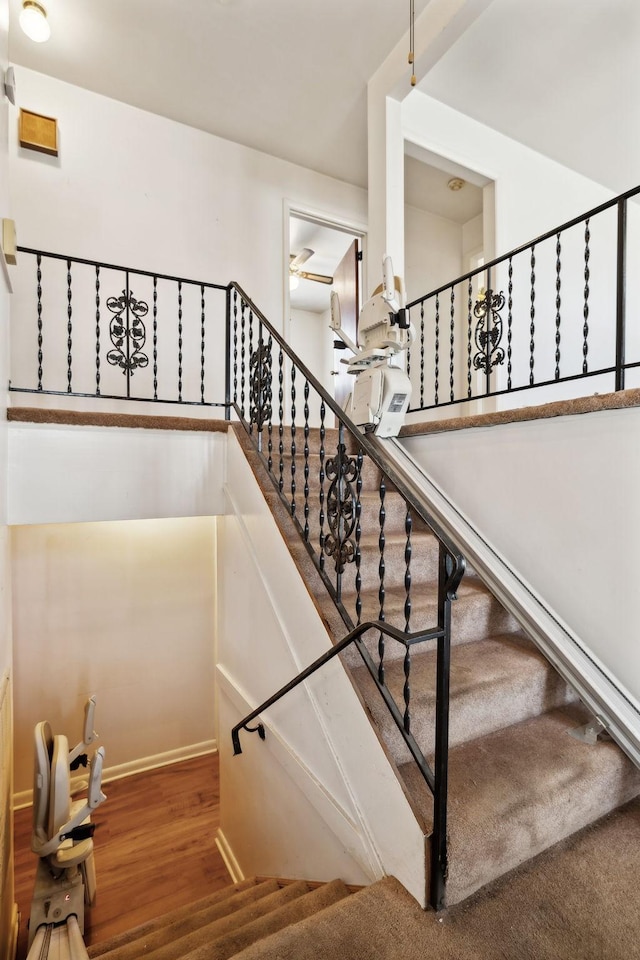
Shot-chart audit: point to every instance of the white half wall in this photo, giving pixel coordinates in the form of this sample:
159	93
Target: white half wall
72	474
125	612
318	798
557	499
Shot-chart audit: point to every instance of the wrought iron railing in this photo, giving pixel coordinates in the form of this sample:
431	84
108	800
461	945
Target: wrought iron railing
549	312
92	329
338	488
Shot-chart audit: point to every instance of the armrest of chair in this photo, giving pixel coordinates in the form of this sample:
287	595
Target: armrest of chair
89	735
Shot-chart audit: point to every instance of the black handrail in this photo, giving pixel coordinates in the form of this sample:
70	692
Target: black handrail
471	332
329	522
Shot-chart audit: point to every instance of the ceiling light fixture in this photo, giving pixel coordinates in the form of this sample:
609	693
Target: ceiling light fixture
33	20
456	183
294	282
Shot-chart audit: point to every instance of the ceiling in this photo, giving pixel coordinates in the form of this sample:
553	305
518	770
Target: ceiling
289	78
329	246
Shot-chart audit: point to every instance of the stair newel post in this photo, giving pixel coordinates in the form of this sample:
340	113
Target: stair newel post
441	762
621	286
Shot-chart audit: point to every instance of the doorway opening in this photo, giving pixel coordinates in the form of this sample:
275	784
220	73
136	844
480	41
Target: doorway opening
322	255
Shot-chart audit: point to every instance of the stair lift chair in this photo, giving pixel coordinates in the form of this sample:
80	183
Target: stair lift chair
62	832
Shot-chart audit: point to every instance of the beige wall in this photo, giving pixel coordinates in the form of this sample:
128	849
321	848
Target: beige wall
125	611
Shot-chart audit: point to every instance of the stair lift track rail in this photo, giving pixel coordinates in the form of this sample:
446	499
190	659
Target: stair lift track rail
331	521
532	318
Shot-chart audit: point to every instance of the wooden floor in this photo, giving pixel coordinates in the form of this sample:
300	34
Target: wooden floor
154	847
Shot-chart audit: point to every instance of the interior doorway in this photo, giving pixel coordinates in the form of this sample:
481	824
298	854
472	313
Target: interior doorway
322	255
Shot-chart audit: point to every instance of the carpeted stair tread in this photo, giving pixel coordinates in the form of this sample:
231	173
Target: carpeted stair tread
185	924
227	894
177	946
493	683
301	908
518	791
476	614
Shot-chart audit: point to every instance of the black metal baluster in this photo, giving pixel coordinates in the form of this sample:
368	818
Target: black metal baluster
585	311
532	313
358	534
97	330
451	342
235	346
408	528
180	340
422	353
558	302
39	310
155	338
409	348
509	324
439	856
243	340
270	425
250	359
281	419
321	476
406	688
437	348
202	334
293	439
621	286
381	572
306	460
469	335
69	326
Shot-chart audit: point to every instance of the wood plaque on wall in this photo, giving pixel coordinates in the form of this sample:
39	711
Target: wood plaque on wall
38	133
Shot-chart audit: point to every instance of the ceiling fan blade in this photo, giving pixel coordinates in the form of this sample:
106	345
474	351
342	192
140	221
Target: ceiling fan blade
318	277
299	259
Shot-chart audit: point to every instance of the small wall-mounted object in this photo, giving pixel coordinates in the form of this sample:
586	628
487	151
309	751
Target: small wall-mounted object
10	84
37	132
9	241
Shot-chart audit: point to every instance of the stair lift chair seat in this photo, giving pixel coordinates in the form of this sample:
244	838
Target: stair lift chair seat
53	809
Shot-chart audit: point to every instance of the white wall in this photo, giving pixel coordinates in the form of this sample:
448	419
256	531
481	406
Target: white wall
125	612
433	251
532	195
557	498
139	190
73	474
7	908
122	610
318	797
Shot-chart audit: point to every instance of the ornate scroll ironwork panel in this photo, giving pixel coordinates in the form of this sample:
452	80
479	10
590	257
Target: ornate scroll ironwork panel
342	472
488	332
127	333
260	391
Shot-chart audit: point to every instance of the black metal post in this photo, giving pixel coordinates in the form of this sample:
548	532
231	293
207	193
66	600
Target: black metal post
126	335
227	356
441	761
621	282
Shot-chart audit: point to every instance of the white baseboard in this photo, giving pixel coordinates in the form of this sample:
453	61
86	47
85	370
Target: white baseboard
228	856
142	765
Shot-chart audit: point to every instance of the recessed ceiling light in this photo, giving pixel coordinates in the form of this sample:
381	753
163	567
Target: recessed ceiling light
33	20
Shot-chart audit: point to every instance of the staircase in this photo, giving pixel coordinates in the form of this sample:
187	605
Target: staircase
518	783
225	923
